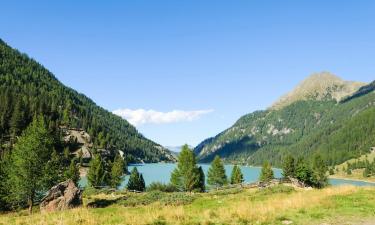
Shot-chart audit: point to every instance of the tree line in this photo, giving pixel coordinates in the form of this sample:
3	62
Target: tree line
35	165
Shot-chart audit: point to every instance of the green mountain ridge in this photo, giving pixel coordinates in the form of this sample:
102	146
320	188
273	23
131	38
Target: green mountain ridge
338	130
28	89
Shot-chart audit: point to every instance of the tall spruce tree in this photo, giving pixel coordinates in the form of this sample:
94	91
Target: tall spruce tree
201	185
29	159
186	176
216	176
136	181
266	173
96	175
72	172
319	169
236	176
4	189
289	167
117	171
54	170
303	172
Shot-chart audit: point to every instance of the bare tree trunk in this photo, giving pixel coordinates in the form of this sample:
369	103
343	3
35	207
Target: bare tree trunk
31	203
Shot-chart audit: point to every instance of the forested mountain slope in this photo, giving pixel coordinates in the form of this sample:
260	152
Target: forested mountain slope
28	89
339	131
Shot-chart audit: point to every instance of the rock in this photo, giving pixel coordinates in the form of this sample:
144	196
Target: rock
287	222
297	183
65	195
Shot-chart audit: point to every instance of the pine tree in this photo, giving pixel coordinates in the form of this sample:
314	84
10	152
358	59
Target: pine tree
236	176
142	184
289	167
72	172
4	189
17	121
303	172
201	185
367	171
319	169
117	171
136	181
216	173
331	171
29	158
266	173
54	169
96	175
186	176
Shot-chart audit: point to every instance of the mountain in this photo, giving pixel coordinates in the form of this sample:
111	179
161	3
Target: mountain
28	89
314	117
175	150
319	86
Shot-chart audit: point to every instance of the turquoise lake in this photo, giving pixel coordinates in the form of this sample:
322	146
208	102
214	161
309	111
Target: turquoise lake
161	172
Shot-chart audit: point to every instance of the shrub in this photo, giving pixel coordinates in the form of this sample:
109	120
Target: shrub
177	199
276	189
158	186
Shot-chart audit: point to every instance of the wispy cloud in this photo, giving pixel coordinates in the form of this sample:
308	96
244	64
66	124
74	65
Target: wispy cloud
141	116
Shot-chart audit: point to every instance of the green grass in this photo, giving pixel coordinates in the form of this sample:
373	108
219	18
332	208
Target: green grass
333	205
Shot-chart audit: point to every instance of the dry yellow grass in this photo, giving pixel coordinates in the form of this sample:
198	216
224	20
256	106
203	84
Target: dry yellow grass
247	207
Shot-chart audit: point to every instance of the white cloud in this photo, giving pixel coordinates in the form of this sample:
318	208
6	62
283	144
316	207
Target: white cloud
141	116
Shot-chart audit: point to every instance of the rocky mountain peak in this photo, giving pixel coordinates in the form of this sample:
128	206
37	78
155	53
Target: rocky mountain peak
319	86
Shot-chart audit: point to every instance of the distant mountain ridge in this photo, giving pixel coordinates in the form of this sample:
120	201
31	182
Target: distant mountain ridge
28	89
314	117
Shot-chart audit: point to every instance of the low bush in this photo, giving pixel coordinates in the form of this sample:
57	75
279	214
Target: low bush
276	189
177	198
158	186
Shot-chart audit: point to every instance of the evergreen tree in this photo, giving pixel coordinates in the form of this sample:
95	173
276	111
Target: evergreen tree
266	173
72	172
319	169
348	171
289	166
117	171
142	184
201	185
303	172
186	176
29	159
96	175
331	171
216	173
236	176
4	189
54	169
366	172
136	181
18	120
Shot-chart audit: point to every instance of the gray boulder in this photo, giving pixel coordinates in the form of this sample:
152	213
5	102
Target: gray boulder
65	195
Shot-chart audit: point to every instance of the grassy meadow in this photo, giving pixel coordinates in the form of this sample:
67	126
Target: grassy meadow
276	205
357	174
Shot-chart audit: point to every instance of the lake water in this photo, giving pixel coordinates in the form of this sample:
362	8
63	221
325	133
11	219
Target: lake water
161	172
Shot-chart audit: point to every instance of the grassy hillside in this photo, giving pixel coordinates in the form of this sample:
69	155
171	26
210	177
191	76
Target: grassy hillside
339	131
28	89
357	174
277	205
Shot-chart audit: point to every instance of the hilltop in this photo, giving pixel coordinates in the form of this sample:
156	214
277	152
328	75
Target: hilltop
324	114
28	89
319	86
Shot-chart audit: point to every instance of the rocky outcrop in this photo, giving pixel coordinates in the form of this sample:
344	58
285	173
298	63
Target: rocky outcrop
296	183
65	195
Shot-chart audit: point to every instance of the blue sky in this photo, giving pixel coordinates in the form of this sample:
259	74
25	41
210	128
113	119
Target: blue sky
198	65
